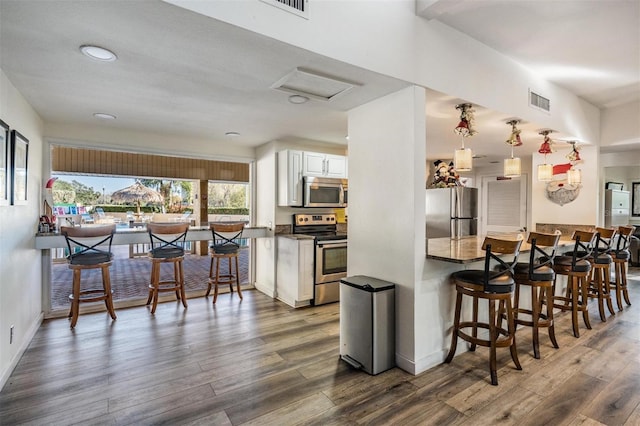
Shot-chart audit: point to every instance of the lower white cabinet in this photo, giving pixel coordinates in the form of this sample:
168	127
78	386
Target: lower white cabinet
294	270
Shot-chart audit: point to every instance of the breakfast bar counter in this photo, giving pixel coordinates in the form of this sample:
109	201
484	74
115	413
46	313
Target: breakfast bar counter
126	235
469	249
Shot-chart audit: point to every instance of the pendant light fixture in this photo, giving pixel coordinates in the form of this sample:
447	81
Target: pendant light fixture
462	158
512	166
545	171
574	175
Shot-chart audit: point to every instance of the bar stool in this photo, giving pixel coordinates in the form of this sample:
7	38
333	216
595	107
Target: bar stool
539	275
621	256
85	252
601	262
226	245
491	285
167	246
576	268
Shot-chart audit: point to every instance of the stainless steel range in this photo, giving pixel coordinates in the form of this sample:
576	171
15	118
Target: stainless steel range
330	254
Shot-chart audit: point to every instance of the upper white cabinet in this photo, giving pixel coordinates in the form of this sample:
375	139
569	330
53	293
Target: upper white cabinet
324	165
294	164
290	178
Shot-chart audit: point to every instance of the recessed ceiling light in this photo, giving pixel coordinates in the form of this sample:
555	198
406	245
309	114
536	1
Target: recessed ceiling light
232	134
98	53
104	116
298	99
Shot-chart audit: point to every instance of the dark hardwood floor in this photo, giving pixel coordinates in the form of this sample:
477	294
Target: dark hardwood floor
261	362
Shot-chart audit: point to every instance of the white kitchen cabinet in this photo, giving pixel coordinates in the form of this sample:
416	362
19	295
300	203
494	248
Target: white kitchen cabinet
290	178
294	270
294	164
324	165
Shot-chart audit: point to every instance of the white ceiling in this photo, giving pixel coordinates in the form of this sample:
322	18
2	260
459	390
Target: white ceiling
185	74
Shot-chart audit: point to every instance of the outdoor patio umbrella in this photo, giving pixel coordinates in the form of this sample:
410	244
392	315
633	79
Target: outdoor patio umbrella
137	193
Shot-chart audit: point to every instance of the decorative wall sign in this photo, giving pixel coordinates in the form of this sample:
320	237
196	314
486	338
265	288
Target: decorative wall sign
4	164
19	163
559	190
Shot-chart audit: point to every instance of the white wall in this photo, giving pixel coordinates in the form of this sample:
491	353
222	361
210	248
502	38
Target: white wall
21	282
621	126
387	205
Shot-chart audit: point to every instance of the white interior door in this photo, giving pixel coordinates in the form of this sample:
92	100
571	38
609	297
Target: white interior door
504	204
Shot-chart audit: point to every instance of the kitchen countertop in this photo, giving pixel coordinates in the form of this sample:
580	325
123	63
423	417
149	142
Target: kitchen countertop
469	249
296	236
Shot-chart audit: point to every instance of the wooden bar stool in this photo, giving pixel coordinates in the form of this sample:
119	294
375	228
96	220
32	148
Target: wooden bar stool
226	245
89	248
601	262
539	275
621	256
493	285
576	268
167	246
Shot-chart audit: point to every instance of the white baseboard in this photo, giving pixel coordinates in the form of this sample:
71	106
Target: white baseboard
266	290
23	347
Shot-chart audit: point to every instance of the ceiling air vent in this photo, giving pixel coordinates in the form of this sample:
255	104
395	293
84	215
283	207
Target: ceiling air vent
313	85
297	7
539	102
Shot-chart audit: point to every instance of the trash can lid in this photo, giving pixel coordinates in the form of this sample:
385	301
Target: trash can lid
366	283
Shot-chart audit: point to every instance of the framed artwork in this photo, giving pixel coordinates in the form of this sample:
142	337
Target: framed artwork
19	163
635	199
4	164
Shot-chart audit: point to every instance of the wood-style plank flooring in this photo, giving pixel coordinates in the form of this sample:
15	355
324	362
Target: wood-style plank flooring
261	362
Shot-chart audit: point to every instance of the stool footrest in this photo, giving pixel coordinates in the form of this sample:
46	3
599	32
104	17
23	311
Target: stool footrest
501	342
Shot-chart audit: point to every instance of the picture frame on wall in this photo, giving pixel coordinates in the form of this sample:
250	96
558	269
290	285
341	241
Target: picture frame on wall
635	199
19	168
4	164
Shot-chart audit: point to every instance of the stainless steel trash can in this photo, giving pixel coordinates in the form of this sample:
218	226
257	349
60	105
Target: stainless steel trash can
367	323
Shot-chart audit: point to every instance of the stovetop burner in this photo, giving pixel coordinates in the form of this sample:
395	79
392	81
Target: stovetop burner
321	226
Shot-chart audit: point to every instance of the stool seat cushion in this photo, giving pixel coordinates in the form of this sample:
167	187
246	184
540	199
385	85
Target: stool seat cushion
603	259
622	255
167	252
542	273
225	249
91	258
564	263
501	284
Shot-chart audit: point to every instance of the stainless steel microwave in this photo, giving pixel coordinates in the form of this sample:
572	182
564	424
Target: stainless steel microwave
324	192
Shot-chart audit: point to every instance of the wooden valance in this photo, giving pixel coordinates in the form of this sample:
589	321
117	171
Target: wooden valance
91	161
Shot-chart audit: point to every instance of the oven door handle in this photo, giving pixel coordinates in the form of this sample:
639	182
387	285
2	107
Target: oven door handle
333	243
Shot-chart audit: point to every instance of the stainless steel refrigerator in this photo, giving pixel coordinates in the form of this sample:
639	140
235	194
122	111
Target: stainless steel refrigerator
451	212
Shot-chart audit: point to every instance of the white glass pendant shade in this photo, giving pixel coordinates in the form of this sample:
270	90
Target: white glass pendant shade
462	159
574	176
545	172
512	167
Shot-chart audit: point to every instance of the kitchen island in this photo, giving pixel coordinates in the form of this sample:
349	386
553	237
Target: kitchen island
445	256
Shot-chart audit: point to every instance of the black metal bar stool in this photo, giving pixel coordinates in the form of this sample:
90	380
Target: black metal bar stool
538	274
167	246
621	256
575	266
601	262
89	248
491	284
226	245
